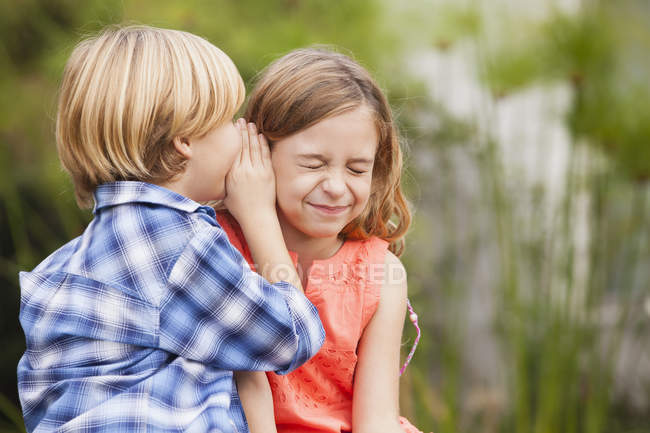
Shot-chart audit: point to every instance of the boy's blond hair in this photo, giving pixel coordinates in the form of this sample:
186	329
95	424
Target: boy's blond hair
125	95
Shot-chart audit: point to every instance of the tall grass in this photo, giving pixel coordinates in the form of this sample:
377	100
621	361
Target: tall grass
564	275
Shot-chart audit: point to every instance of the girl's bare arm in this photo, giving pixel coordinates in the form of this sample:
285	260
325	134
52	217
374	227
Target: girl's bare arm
376	383
255	395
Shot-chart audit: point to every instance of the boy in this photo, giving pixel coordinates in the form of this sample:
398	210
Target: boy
139	323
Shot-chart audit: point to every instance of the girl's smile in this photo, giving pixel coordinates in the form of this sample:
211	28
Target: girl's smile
329	210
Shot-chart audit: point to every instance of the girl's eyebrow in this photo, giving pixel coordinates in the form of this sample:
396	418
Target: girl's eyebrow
322	158
311	156
362	160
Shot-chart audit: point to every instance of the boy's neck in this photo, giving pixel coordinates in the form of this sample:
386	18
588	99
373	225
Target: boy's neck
179	185
173	186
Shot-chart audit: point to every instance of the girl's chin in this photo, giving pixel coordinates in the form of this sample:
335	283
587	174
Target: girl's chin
305	226
319	231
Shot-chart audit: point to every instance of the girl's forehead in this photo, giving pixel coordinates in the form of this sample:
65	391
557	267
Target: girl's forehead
351	133
327	147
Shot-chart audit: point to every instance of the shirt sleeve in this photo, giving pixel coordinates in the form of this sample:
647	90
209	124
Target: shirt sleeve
221	313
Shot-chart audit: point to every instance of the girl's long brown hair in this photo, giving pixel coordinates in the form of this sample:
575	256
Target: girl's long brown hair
311	84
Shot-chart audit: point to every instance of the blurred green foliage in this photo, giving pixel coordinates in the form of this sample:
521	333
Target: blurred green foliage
559	360
561	331
602	52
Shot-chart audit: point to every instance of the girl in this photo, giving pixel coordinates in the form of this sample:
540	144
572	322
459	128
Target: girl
337	160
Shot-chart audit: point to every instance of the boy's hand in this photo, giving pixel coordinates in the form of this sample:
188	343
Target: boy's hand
250	183
250	198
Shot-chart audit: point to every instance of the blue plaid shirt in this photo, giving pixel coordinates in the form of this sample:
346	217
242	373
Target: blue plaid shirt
138	323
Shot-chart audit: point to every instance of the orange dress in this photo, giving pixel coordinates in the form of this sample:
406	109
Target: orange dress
345	288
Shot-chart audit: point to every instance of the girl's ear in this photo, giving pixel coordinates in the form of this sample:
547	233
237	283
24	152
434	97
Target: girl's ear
182	146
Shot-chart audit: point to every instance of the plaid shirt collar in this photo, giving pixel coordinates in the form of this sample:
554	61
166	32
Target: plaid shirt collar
121	192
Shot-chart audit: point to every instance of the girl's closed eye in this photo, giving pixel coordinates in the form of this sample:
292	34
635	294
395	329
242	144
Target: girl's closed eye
357	170
312	166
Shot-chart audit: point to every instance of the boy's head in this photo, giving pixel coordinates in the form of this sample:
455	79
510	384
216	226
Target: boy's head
128	92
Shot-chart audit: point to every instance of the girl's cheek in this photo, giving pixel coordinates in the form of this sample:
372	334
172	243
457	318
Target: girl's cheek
362	188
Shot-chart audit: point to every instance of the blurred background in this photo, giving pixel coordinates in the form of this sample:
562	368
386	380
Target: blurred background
528	165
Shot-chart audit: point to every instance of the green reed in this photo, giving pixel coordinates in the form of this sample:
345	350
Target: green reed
571	277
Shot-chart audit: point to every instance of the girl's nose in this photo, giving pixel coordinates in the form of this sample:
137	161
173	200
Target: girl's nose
334	185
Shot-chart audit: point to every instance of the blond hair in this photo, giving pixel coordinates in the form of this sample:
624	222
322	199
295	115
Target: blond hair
127	92
311	84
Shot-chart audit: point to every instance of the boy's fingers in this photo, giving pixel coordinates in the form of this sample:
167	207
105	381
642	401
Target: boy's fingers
237	161
245	147
254	143
265	150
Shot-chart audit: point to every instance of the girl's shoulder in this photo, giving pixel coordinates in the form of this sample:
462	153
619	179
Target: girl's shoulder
364	264
358	263
372	262
371	251
366	268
